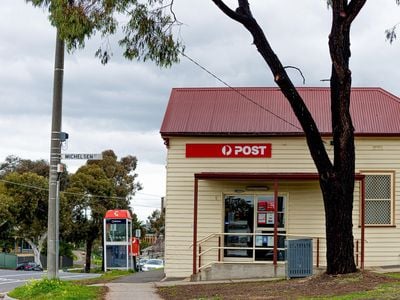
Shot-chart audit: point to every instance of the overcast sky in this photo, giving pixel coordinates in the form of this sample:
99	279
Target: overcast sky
120	106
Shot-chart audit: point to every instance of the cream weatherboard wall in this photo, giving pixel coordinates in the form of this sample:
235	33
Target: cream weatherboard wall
305	211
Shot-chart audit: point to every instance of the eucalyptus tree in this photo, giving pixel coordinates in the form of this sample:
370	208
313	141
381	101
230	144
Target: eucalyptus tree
23	208
96	187
336	177
147	35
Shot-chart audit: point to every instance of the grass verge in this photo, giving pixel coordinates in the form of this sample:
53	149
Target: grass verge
105	277
57	289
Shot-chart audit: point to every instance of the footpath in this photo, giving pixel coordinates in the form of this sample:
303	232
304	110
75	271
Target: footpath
140	285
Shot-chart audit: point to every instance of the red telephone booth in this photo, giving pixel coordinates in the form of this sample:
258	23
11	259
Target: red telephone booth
117	240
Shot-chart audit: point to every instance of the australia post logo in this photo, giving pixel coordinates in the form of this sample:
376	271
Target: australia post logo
229	150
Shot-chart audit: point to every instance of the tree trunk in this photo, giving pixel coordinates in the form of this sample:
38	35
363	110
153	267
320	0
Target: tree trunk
338	200
89	245
37	249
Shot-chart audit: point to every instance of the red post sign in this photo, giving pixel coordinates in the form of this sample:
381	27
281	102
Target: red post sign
229	150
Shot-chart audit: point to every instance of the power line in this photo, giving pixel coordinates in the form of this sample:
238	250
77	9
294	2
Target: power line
25	185
144	194
70	193
238	92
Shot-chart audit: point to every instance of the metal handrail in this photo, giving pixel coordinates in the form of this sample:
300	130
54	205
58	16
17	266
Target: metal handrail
238	248
254	247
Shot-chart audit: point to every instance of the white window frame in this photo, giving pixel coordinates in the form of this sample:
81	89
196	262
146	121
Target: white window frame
392	196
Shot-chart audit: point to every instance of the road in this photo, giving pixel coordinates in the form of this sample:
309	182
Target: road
10	279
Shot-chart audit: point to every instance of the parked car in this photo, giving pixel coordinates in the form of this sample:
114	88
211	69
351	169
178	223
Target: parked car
153	264
29	266
141	262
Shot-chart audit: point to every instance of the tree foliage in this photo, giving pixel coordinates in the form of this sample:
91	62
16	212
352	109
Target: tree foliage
6	225
40	167
24	208
156	223
147	31
391	33
16	164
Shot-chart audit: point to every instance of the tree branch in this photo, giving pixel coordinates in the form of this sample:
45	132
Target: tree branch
353	9
313	136
229	12
298	69
244	9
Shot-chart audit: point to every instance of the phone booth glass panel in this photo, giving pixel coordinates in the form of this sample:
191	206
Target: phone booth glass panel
117	240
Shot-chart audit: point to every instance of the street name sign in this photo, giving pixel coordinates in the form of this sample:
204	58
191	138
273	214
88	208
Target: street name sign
88	156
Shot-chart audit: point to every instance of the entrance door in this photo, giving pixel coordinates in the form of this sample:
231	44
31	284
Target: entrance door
239	218
249	214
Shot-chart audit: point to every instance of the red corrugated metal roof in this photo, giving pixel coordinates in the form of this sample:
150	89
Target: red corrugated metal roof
224	111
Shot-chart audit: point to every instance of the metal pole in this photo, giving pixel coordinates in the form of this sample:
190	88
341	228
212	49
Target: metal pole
362	222
275	253
58	225
195	211
55	156
105	244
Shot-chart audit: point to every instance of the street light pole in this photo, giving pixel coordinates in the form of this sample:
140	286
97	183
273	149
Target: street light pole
55	157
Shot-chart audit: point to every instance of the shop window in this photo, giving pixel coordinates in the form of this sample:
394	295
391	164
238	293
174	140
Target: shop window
379	199
266	209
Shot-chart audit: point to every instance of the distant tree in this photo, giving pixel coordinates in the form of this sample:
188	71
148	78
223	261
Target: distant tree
6	226
156	223
24	208
9	165
95	188
40	167
138	224
16	164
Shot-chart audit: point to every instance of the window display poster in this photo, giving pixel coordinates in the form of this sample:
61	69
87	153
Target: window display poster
262	205
259	240
270	218
270	205
270	242
262	218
